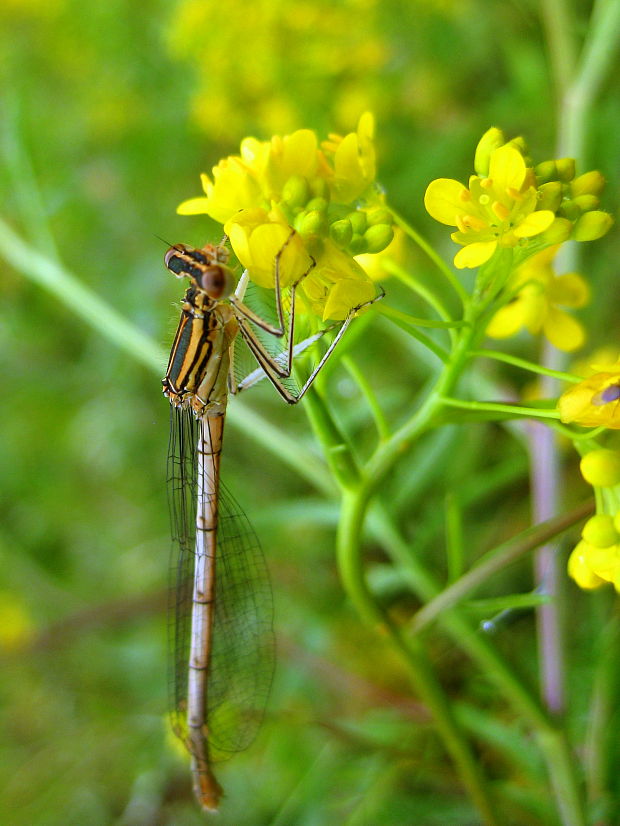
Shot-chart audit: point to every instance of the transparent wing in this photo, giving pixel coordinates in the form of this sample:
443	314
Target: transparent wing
310	343
242	658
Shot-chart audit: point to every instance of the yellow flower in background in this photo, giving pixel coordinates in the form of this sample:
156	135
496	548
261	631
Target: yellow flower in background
595	401
16	625
318	205
539	296
497	210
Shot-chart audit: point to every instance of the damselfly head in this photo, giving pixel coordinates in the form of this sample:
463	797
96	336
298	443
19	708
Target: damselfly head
206	268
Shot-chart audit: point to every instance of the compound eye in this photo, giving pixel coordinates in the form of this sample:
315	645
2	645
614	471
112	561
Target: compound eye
174	260
217	281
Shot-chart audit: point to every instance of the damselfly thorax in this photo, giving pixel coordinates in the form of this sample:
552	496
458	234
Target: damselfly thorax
199	364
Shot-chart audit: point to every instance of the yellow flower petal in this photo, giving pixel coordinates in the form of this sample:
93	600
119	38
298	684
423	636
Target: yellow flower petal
345	295
563	331
569	290
534	223
507	168
473	255
508	320
445	199
194	206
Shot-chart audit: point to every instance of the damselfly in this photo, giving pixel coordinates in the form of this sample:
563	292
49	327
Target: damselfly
222	636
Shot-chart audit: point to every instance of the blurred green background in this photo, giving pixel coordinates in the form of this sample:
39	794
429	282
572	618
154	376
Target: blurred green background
109	113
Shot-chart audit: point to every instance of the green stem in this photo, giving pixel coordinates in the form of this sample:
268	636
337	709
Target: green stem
559	24
420	289
47	273
361	379
514	410
425	682
595	63
526	365
601	709
404	321
434	257
352	575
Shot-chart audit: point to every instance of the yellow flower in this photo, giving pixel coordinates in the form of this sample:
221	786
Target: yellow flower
498	210
289	195
337	284
257	236
536	305
353	160
232	188
595	401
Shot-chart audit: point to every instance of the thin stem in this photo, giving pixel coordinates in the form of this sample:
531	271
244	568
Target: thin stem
601	708
420	289
514	410
404	321
526	365
558	21
595	63
437	260
51	275
361	379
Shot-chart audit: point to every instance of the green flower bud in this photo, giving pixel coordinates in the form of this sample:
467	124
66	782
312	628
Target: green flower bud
600	531
586	203
617	522
546	171
565	168
358	221
319	188
310	223
492	139
592	225
358	245
558	232
320	204
381	215
601	467
335	212
378	237
570	210
550	196
295	191
590	183
341	232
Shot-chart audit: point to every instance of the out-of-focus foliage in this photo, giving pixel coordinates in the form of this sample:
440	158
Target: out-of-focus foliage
108	113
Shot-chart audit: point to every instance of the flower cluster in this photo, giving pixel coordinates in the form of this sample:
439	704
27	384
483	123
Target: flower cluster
538	296
326	193
509	203
596	558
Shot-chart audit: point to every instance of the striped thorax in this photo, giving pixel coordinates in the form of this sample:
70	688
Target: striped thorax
197	374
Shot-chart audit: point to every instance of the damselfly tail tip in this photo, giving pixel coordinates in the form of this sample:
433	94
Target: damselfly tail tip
207	790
